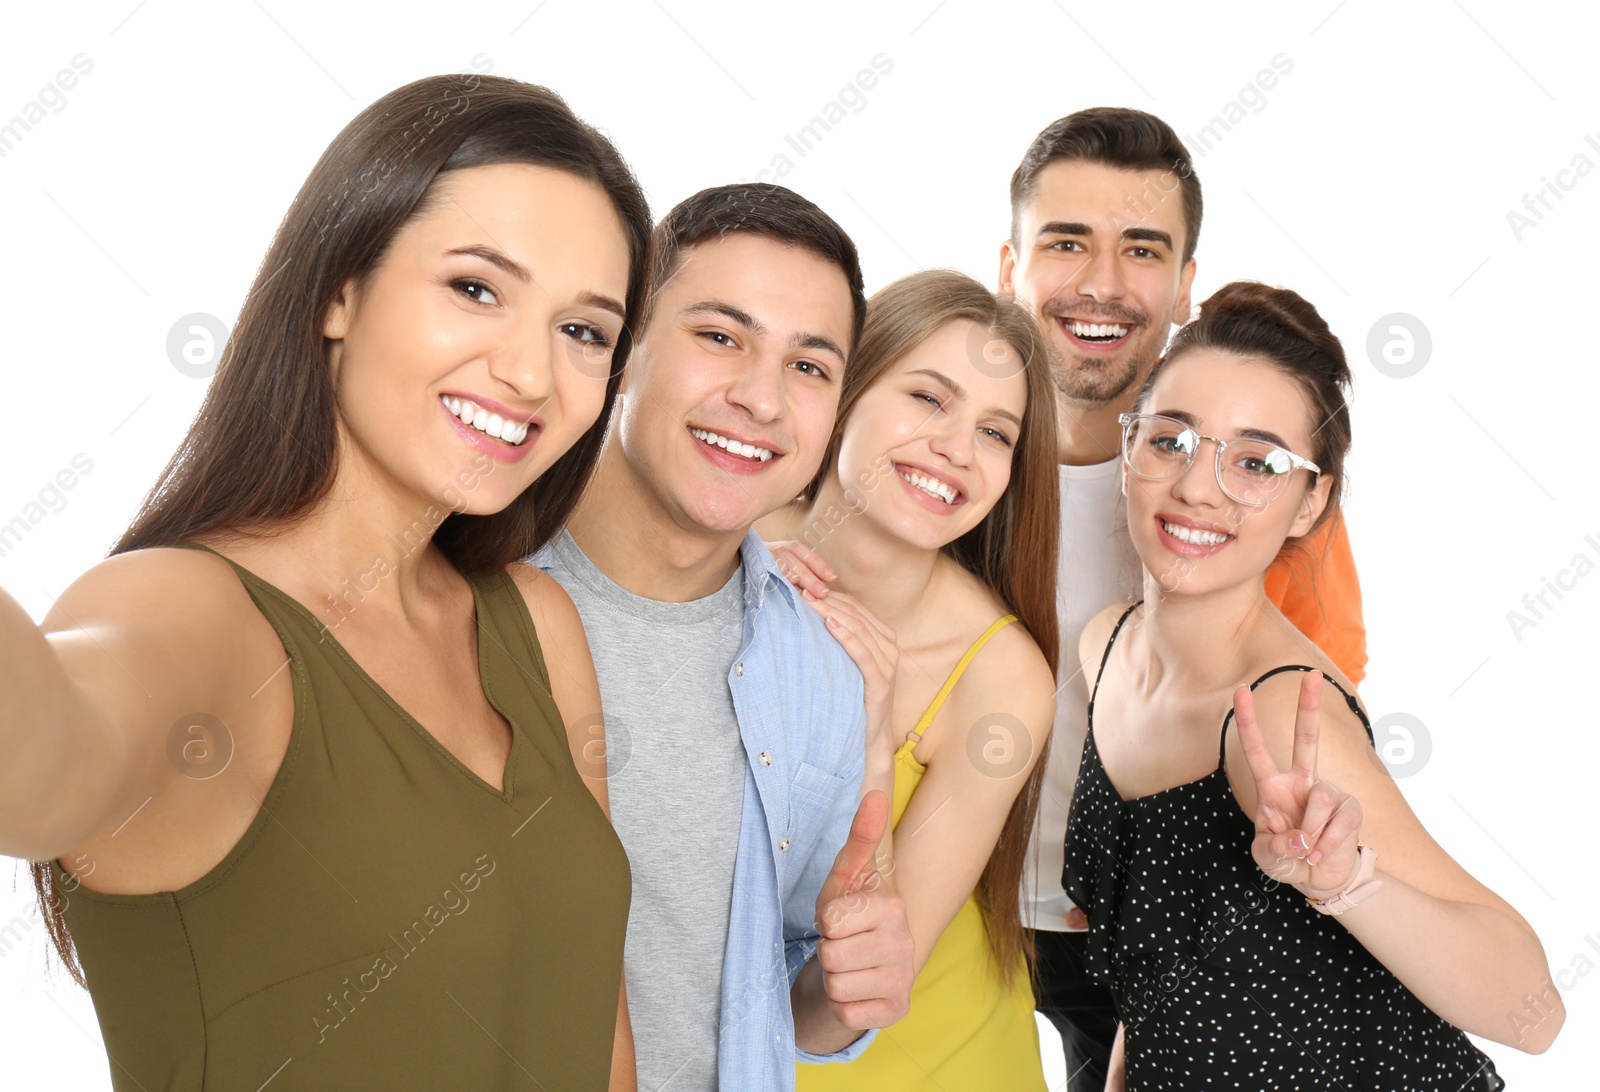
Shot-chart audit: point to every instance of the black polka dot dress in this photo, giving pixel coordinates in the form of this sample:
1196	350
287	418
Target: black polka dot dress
1225	978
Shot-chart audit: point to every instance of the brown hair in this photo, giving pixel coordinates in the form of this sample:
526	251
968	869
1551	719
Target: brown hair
1113	136
1279	327
760	208
1013	550
381	172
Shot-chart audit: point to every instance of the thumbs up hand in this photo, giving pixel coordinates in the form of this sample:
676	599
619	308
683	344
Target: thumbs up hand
866	952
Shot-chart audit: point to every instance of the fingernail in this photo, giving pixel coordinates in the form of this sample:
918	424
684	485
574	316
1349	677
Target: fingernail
833	623
1299	844
1314	858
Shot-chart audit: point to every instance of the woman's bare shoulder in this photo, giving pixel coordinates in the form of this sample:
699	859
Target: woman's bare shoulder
164	588
1280	644
548	602
1095	637
1010	673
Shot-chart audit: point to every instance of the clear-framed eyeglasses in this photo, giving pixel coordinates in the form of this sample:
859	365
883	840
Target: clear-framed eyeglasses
1252	472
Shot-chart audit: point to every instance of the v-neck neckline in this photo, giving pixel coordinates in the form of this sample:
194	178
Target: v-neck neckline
506	793
1129	801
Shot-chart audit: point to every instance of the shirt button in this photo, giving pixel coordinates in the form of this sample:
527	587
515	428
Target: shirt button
765	759
783	843
738	668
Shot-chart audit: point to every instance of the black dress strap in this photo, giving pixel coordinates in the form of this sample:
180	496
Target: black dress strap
1106	656
1349	699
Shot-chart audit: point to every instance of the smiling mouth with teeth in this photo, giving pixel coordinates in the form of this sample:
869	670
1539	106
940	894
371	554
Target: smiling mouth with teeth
470	413
931	486
1194	536
732	447
1102	333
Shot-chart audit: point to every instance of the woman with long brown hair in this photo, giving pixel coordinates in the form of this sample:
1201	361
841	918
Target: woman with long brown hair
312	710
934	520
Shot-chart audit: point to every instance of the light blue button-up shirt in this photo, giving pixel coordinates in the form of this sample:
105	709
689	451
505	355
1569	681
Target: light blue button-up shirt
798	699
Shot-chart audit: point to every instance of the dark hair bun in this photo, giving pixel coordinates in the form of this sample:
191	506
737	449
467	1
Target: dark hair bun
1244	308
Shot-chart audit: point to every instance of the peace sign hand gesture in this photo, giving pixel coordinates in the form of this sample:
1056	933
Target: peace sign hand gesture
1306	830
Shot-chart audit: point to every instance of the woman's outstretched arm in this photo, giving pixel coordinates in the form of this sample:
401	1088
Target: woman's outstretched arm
89	696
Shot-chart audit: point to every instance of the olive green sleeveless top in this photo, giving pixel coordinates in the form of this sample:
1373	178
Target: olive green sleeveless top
388	920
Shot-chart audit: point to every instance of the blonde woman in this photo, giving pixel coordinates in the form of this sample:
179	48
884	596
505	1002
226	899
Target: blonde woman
928	542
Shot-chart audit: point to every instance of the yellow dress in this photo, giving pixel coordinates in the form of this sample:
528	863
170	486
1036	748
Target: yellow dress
965	1031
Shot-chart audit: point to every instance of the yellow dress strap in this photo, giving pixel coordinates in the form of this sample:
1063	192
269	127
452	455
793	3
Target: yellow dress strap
955	676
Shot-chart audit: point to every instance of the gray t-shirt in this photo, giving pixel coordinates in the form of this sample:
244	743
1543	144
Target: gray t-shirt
677	773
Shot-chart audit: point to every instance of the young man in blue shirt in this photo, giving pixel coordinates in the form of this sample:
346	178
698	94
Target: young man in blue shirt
734	719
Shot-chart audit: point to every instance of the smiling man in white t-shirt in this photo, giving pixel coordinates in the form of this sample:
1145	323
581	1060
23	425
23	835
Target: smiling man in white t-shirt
1105	215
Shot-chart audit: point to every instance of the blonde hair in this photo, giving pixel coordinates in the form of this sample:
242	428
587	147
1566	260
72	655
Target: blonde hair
1013	549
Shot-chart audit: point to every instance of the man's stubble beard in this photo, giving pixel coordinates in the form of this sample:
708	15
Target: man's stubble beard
1088	381
1085	381
1096	381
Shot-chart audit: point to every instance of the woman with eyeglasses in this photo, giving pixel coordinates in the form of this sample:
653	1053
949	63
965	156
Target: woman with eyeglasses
1267	910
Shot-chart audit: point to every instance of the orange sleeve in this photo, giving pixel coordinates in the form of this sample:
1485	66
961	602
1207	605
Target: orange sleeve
1314	583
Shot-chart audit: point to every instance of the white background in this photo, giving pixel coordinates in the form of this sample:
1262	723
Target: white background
1376	178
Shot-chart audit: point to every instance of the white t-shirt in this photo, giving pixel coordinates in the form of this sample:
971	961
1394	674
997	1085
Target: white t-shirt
1096	567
